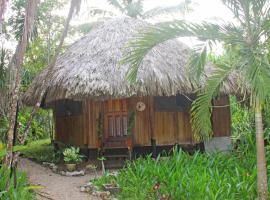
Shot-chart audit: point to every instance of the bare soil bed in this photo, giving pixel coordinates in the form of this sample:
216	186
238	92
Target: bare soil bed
55	186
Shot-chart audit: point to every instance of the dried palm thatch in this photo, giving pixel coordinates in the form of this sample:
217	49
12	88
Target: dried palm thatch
90	67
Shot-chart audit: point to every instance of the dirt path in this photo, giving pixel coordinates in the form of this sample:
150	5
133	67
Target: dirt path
56	187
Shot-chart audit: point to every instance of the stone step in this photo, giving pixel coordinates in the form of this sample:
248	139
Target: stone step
110	164
116	156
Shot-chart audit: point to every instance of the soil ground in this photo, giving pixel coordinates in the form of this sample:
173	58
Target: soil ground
55	186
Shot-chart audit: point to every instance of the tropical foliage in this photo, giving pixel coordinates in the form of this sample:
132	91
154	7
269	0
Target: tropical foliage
39	151
42	151
242	56
39	52
22	191
44	39
197	176
72	155
134	9
246	45
184	176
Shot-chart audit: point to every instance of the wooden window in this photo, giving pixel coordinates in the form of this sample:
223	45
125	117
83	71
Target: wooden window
178	103
65	108
116	124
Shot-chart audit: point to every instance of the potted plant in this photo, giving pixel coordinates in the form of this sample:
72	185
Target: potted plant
72	157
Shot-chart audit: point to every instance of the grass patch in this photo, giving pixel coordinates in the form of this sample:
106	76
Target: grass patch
184	176
40	151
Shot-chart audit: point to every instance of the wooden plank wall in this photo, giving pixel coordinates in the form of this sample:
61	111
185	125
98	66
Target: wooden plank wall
221	117
93	108
172	128
167	128
185	135
142	129
70	130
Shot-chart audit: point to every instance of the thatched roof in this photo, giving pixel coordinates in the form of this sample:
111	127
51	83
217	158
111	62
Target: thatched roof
90	67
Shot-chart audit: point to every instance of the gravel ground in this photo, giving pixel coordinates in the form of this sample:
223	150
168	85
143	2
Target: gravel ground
56	187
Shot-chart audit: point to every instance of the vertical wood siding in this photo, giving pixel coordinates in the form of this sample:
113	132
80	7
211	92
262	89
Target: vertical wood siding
70	130
221	117
141	130
172	128
167	128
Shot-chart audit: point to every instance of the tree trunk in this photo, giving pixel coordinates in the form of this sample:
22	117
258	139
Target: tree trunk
261	162
3	4
17	61
74	7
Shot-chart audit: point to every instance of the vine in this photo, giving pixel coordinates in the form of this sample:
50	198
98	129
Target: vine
100	126
131	122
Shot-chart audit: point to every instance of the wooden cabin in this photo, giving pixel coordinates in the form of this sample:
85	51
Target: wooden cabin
164	120
96	107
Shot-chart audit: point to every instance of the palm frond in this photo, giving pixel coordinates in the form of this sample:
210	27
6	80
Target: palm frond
85	27
234	35
94	11
236	8
134	9
116	4
207	31
143	42
260	8
197	61
257	73
202	107
181	8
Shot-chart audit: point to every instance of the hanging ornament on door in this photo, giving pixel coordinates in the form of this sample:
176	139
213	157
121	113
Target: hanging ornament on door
140	106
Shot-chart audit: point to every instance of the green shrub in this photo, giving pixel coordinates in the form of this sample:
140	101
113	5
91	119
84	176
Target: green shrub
184	176
41	126
72	155
22	191
40	151
243	127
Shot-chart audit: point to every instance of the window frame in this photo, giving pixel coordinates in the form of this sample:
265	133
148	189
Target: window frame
123	115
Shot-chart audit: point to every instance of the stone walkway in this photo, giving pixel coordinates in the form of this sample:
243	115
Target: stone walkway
55	187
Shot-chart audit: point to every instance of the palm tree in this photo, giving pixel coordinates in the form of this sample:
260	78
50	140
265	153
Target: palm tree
247	41
134	8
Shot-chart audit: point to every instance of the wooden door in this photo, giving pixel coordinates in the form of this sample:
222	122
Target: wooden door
115	123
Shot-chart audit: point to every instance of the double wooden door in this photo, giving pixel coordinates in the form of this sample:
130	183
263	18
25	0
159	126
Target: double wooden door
115	123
